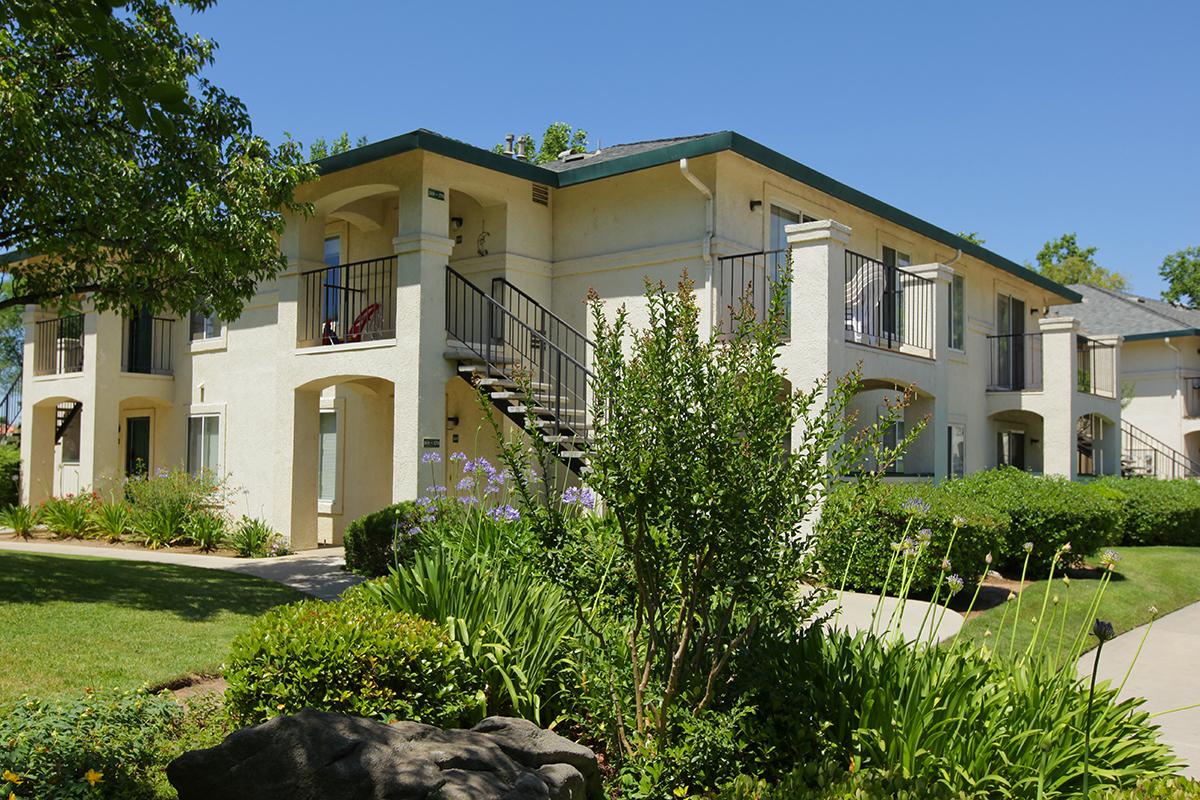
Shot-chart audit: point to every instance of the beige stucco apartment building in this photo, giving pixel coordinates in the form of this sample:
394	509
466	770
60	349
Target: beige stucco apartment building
429	261
1160	378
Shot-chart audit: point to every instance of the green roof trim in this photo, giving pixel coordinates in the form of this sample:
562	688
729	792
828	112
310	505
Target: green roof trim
13	256
694	148
1141	337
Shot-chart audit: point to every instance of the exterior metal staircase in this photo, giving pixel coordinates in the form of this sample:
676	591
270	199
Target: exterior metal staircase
1142	455
65	414
10	411
526	358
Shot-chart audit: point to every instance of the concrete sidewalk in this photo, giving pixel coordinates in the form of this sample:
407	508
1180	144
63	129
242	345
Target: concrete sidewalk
1165	674
858	608
315	572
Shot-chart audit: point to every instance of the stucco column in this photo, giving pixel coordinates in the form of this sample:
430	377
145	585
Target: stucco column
295	510
101	462
420	400
1059	378
818	325
941	275
37	452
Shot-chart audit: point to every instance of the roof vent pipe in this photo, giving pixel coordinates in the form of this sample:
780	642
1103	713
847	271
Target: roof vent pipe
508	144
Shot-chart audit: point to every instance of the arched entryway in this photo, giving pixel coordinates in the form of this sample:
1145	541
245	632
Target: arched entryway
341	464
1017	439
880	398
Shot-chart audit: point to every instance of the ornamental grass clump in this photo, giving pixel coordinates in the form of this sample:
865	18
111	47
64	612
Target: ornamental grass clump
21	519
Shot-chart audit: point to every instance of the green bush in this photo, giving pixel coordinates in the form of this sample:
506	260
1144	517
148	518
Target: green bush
513	626
860	523
371	542
69	516
21	519
206	530
50	748
10	475
1047	511
112	520
1155	511
163	503
254	538
349	657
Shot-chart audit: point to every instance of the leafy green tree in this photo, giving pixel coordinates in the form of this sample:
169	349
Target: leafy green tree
124	172
1064	261
1181	271
559	137
972	237
322	149
709	462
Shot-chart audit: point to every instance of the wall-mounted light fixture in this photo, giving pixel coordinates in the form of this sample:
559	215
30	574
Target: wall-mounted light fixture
755	205
456	222
452	422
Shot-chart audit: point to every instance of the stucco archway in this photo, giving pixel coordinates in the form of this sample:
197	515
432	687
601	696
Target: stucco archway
1017	439
879	398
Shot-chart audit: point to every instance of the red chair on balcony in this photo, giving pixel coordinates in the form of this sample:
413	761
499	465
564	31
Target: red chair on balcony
357	328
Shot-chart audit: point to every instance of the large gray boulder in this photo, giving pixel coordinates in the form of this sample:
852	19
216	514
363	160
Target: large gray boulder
314	755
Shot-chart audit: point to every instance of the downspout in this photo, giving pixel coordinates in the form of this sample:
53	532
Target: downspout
706	246
953	261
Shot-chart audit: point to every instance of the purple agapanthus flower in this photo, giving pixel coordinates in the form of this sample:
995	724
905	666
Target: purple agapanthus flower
469	500
915	505
436	489
458	456
504	513
464	484
432	457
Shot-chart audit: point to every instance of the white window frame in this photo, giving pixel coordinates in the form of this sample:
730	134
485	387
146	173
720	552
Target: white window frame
962	437
337	407
216	410
962	320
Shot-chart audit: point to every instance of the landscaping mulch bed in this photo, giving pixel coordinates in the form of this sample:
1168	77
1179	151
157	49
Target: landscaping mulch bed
103	544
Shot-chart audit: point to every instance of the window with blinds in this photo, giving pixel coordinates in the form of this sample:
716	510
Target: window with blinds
204	444
327	457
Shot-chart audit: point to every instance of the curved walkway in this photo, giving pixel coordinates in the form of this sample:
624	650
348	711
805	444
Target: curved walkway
315	572
1165	674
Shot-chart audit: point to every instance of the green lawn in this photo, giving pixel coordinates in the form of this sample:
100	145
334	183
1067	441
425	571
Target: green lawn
74	622
1163	577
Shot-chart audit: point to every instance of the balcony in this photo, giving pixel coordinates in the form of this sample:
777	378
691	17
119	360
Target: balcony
58	346
347	303
146	345
1015	362
1096	367
748	278
888	307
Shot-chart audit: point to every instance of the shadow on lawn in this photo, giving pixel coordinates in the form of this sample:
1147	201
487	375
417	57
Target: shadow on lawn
190	593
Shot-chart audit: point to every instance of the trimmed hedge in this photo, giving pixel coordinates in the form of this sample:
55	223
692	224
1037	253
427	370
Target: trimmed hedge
10	475
376	542
1155	511
865	520
349	657
1047	511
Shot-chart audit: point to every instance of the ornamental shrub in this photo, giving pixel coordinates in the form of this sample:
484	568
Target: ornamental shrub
860	523
98	745
1047	511
10	475
349	657
69	516
369	541
1156	511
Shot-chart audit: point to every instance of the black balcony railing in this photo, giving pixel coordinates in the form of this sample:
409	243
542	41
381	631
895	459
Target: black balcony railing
347	303
58	345
10	409
1096	367
146	345
1015	362
748	278
888	307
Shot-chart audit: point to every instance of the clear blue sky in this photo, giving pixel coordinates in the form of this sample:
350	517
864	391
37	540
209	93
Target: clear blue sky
1019	120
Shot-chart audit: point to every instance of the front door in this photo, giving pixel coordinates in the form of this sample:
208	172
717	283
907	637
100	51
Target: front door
137	446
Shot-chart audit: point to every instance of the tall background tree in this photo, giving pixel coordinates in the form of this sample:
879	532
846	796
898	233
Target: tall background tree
1181	271
1064	261
124	170
322	149
559	138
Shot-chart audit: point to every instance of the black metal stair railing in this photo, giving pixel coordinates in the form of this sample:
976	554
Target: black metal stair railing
10	408
526	345
1144	455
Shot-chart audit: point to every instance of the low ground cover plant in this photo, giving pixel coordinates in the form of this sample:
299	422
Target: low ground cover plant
255	538
22	520
95	745
352	657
